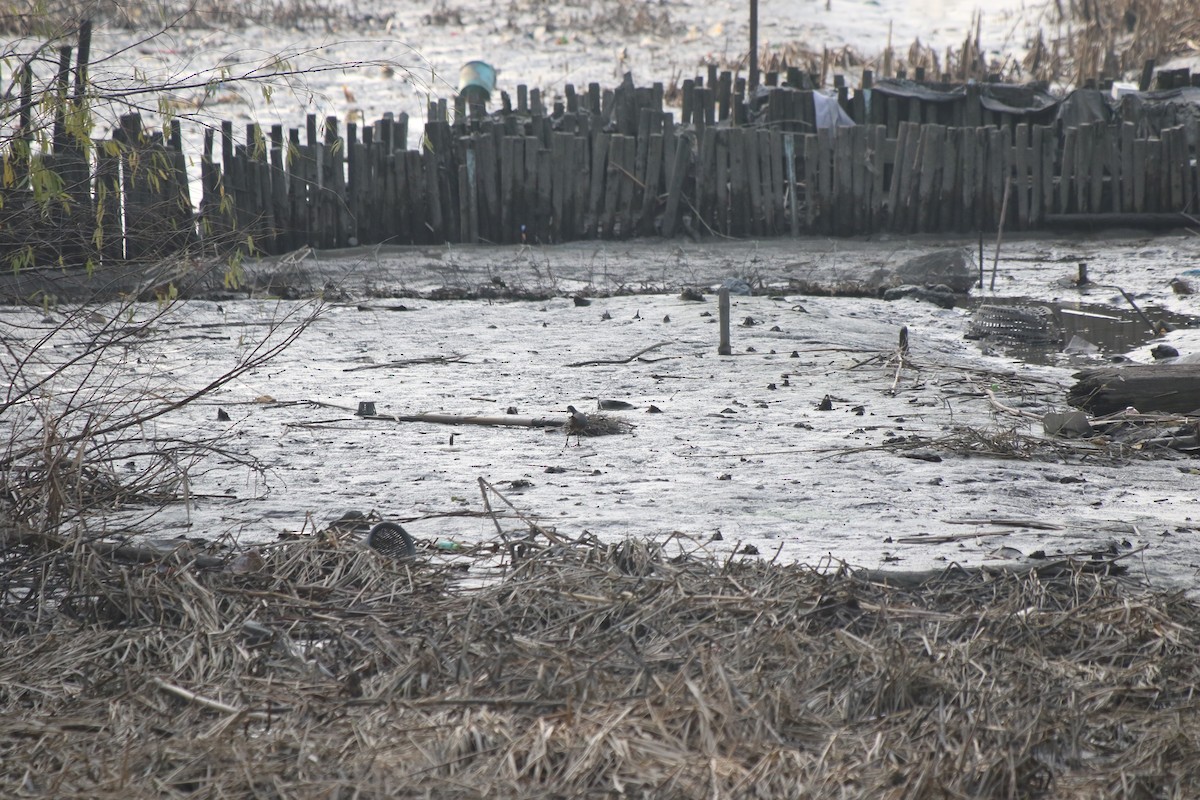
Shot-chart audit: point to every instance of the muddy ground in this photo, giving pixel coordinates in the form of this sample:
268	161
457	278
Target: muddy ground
911	467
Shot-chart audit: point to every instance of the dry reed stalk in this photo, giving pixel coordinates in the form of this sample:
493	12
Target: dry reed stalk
645	668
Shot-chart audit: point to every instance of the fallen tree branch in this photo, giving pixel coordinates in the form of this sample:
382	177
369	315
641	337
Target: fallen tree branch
506	420
408	362
603	361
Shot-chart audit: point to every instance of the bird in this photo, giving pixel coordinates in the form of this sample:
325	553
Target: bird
392	540
577	424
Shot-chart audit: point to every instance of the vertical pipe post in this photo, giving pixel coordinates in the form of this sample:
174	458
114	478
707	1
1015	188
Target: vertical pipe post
724	349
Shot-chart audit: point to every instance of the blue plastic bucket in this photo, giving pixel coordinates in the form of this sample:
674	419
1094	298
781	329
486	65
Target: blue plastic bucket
478	76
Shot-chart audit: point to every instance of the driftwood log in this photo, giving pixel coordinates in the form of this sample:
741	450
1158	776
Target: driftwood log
1169	388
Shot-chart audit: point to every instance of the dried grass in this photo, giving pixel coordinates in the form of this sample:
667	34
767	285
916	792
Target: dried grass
635	668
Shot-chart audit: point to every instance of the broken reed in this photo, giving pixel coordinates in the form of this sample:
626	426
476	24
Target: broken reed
658	669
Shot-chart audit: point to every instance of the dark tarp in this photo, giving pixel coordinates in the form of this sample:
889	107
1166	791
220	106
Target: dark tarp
900	87
1084	106
1027	100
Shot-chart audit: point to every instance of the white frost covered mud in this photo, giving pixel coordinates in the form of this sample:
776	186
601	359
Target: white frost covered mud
740	447
728	454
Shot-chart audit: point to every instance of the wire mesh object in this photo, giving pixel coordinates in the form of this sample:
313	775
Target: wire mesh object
1028	324
391	540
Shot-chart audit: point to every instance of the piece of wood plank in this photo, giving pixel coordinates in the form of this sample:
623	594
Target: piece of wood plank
720	220
679	171
652	179
1165	388
1127	135
1066	178
1021	182
949	209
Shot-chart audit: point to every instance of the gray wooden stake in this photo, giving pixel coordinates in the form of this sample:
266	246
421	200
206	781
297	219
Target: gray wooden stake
723	349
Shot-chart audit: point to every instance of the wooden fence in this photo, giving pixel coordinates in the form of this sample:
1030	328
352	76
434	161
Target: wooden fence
615	164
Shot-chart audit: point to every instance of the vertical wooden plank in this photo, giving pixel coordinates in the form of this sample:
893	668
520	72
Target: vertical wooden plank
967	162
910	177
627	180
878	172
558	184
583	184
1001	146
811	159
754	215
1021	177
1049	151
653	182
930	163
893	117
706	185
1083	169
1115	167
899	176
507	186
544	212
1141	151
402	223
464	211
860	212
842	166
982	201
1175	162
335	181
1128	130
487	185
1066	176
1101	163
616	155
415	197
529	189
519	213
739	188
720	221
1156	180
675	187
435	218
949	208
789	152
645	123
825	178
765	211
779	189
1184	158
1037	142
594	221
